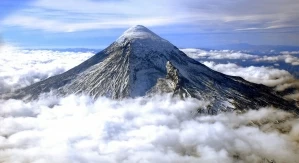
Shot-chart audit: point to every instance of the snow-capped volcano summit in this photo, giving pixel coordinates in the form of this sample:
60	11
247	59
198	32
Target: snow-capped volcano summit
140	63
138	32
143	38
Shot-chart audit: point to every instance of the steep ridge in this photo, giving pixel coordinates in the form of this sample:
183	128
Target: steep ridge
140	62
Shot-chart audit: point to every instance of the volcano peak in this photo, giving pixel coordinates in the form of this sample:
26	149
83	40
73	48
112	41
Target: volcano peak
138	32
141	63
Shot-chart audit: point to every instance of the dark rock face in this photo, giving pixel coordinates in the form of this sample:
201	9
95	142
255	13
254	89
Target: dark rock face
140	63
172	73
172	83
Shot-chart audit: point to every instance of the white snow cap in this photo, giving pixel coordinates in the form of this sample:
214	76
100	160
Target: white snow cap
138	32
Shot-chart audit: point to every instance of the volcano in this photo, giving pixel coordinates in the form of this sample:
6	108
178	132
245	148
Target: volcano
140	63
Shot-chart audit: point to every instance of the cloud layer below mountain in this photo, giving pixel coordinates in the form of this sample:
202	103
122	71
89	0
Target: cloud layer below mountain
269	76
287	56
21	68
217	54
77	128
157	129
261	75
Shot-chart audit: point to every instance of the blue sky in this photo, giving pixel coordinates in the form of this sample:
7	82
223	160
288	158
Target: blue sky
188	23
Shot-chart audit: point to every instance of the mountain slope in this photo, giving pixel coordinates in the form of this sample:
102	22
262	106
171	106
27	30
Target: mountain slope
135	65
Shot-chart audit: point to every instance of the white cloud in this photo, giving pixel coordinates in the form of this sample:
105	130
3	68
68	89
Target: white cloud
293	96
262	75
77	128
19	68
287	58
217	54
54	16
66	16
157	129
56	25
269	76
289	52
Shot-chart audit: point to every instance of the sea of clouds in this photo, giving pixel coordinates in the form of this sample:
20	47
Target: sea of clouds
290	57
268	75
79	129
19	68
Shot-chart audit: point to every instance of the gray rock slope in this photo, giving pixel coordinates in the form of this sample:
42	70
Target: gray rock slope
140	62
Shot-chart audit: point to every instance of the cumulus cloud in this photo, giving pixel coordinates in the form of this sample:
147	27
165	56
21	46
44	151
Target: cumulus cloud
287	58
269	76
156	129
262	75
289	52
78	128
19	68
217	54
293	96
